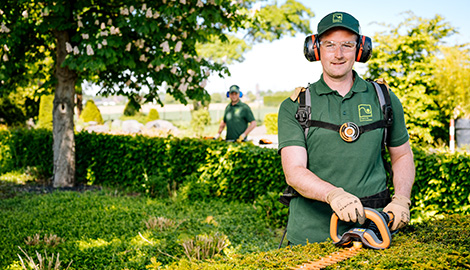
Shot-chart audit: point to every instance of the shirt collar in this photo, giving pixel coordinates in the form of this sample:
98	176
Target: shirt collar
358	86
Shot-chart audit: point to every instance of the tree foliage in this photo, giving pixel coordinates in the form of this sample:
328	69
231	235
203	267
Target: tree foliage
10	112
130	45
269	22
452	77
404	57
126	47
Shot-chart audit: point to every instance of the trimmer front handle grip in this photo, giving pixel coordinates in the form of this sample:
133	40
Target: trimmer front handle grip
366	236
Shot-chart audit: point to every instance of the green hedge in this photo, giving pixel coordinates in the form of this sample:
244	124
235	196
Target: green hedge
198	169
442	183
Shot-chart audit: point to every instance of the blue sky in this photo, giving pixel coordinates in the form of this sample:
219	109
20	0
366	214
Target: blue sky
281	65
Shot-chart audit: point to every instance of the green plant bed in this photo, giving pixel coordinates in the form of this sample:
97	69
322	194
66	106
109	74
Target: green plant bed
105	230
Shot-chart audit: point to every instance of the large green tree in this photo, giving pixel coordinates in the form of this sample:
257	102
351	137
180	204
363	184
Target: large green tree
405	57
126	46
452	77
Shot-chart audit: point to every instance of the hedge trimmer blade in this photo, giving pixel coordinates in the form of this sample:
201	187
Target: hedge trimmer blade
332	258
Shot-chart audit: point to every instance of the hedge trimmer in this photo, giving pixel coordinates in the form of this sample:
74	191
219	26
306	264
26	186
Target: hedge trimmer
375	234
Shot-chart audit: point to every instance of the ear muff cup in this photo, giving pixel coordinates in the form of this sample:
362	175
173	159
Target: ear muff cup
312	48
364	49
228	94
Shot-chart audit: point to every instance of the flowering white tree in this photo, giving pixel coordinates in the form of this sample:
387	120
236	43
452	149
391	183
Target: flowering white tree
125	46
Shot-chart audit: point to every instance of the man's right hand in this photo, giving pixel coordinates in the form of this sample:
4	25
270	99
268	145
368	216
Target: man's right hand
347	206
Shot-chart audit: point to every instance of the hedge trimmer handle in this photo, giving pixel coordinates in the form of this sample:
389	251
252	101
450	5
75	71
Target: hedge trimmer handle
368	237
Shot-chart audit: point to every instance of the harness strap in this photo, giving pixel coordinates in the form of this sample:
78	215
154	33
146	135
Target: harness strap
303	114
362	129
386	106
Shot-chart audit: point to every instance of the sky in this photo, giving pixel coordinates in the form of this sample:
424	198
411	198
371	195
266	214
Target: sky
281	65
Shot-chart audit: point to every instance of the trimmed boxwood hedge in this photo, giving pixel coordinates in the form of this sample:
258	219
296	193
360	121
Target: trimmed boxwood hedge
198	169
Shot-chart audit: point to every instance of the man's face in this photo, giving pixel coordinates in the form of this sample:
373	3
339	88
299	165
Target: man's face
234	97
337	64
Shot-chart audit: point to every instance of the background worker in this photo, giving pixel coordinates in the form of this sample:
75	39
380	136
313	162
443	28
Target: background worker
238	117
330	173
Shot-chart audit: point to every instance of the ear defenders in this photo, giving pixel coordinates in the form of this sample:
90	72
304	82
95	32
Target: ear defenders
228	94
312	48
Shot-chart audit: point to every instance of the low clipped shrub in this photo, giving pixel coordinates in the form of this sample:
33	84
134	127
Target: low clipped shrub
132	107
46	106
270	121
91	113
199	120
153	115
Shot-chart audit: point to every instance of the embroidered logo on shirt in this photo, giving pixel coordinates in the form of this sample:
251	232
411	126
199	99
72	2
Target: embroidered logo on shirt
365	112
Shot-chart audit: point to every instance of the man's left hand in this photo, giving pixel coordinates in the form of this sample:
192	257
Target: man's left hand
241	138
400	208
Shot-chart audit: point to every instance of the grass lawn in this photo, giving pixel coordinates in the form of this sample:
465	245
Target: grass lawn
106	229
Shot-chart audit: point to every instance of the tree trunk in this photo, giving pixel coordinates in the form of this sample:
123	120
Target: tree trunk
63	131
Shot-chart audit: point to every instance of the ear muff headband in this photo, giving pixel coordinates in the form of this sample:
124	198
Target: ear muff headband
312	48
228	94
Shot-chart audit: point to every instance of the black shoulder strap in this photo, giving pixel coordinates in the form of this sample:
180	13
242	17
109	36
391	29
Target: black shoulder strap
304	114
386	105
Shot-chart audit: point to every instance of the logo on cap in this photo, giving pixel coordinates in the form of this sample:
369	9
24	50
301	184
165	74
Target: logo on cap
337	18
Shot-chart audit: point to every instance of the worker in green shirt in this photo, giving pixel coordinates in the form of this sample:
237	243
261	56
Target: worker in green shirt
238	117
331	172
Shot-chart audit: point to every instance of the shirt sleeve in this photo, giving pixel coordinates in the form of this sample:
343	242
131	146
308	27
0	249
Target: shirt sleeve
249	114
290	133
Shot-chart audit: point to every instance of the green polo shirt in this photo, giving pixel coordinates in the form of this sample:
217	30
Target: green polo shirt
237	117
357	167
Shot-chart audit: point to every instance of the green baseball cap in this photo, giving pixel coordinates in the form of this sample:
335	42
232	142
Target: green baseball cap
338	19
234	88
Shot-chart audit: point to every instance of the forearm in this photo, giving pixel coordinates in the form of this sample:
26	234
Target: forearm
403	170
249	128
300	178
403	177
221	127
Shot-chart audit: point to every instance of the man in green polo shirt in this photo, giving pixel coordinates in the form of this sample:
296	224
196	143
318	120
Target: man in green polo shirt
330	173
238	118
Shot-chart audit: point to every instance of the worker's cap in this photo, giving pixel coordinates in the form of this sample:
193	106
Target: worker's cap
338	19
234	88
